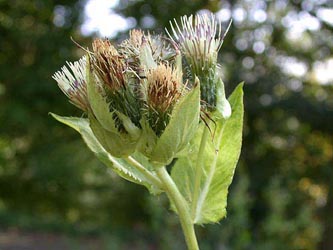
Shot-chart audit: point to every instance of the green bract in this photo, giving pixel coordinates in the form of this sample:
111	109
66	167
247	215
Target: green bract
223	109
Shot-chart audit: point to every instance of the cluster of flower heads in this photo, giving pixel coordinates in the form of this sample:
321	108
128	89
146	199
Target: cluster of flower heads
136	86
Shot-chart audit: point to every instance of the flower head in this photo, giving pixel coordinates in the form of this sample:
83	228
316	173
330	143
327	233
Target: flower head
108	64
72	81
164	88
199	38
118	86
131	49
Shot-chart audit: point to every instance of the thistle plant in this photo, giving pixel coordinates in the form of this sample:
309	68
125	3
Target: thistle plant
154	100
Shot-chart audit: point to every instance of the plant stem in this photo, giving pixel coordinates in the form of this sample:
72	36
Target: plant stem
183	210
144	171
199	171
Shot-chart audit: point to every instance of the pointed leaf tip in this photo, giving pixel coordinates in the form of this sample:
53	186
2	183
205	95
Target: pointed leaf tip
223	108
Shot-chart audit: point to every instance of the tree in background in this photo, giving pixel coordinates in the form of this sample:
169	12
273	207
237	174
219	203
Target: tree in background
282	197
44	181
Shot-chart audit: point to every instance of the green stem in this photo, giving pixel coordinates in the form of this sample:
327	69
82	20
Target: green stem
144	171
199	171
183	210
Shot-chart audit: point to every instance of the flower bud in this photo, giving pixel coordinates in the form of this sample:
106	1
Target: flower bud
112	128
121	91
171	114
146	51
108	64
199	39
73	84
164	88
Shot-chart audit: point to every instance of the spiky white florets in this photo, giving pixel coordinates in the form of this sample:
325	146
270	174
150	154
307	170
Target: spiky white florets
71	80
199	38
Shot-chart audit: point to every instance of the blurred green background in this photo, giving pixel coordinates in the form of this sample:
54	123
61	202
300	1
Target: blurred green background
52	190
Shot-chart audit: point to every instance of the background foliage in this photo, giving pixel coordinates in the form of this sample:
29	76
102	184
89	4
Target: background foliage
282	195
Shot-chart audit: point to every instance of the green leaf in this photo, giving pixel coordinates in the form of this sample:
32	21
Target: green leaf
179	64
114	143
133	131
146	57
223	108
148	139
120	166
180	130
219	161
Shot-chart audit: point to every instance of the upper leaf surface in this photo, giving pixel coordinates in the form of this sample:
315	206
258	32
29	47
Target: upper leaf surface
219	161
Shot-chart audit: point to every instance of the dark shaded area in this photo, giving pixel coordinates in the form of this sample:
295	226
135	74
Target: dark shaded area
282	194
